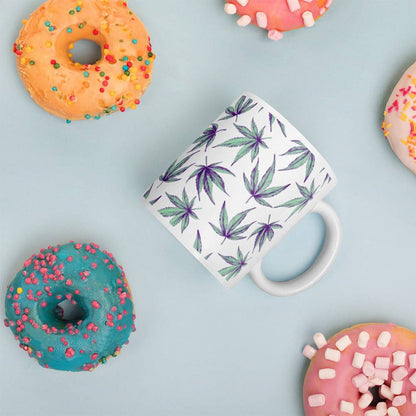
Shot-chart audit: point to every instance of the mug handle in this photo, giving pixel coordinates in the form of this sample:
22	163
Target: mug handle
315	272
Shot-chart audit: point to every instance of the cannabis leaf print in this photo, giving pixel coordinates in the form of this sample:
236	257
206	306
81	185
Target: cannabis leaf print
235	265
182	210
272	119
147	193
206	176
265	231
154	201
260	191
241	106
207	137
251	141
198	242
175	169
299	203
305	157
231	230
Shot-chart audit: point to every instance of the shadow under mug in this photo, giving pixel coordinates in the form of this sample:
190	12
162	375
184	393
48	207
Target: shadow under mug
239	189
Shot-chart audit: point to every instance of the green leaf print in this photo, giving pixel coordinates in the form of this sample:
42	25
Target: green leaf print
235	265
265	231
206	176
260	191
176	169
198	242
299	203
181	212
231	230
242	106
251	142
207	137
305	157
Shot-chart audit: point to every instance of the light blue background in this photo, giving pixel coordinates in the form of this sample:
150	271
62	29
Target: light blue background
200	349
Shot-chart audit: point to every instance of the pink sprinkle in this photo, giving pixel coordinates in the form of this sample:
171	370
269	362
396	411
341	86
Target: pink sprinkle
94	356
69	259
68	282
69	352
95	304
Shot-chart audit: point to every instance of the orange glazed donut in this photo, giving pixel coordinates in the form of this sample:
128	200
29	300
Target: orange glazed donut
366	370
69	89
277	16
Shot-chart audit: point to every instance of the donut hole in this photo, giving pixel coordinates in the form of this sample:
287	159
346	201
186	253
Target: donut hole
86	52
69	311
376	396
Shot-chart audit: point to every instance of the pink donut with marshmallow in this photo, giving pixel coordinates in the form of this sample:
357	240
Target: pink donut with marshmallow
277	16
366	370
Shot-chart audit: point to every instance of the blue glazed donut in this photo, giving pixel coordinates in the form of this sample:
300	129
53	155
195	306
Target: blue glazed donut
92	281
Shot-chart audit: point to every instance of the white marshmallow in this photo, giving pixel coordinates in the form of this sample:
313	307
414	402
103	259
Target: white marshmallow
382	408
399	400
382	362
399	373
377	381
319	340
363	339
384	339
372	412
386	392
396	387
230	8
358	360
243	2
332	355
343	343
365	400
327	373
261	19
293	5
309	352
412	360
244	20
316	400
346	407
392	411
399	358
308	19
413	397
412	378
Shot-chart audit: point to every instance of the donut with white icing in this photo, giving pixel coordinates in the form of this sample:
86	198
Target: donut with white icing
277	16
366	370
399	123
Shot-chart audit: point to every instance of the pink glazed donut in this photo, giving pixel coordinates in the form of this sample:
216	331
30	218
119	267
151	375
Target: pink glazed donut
366	370
399	124
278	16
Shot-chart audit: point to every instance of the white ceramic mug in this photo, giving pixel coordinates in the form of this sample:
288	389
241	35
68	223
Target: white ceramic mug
239	188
